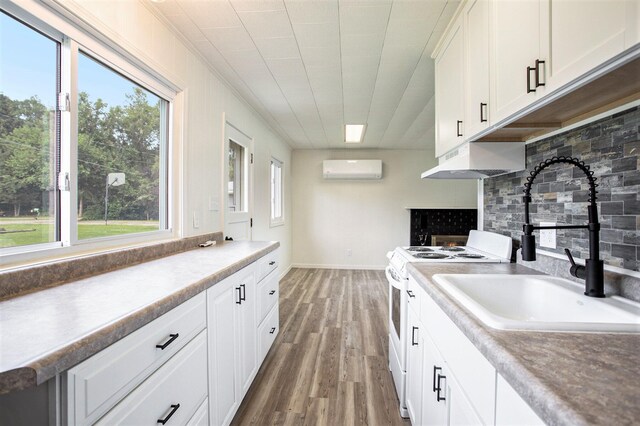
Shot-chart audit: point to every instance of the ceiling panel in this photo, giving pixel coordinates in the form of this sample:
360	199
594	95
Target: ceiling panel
308	67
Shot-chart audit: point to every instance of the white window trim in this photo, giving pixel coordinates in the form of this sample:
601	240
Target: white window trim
278	221
75	36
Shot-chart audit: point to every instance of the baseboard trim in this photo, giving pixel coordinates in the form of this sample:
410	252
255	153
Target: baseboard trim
282	275
357	267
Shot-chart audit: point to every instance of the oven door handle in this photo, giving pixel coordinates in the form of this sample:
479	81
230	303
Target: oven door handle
394	282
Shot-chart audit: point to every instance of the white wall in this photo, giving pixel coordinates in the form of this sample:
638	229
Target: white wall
208	101
367	217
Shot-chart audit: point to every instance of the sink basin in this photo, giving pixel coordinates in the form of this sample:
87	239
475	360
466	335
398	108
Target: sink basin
539	302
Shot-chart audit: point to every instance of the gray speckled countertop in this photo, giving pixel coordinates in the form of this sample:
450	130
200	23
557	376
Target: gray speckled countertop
567	378
47	332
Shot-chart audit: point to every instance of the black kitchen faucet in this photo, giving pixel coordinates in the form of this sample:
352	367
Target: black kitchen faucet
593	271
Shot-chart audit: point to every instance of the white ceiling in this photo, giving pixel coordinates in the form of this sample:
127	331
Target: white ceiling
311	66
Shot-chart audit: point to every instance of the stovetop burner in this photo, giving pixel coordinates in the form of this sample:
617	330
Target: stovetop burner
451	248
419	249
431	255
470	256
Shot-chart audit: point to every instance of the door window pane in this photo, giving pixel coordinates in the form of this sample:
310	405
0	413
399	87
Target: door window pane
29	82
235	183
277	216
121	140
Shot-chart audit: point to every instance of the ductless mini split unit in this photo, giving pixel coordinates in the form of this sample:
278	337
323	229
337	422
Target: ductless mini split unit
352	169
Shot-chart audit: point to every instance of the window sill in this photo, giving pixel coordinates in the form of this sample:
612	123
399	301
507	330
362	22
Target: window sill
276	224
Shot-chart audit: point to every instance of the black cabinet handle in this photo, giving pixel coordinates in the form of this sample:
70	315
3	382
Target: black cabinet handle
239	302
413	336
272	292
172	337
273	330
174	408
483	107
529	89
410	293
273	262
538	63
435	374
438	397
458	131
243	293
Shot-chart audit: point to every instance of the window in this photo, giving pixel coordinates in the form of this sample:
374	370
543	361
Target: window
83	148
277	202
120	139
29	137
236	177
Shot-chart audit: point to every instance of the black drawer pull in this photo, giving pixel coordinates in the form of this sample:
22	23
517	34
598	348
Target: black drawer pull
438	397
239	302
243	294
435	374
272	292
410	293
273	330
529	89
273	262
413	336
458	131
168	342
174	408
483	107
538	63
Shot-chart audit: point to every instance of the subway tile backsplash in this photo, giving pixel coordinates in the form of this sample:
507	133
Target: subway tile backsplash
611	147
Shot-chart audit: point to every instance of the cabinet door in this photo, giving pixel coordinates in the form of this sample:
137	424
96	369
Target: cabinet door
415	352
477	66
222	330
435	398
461	412
247	330
517	39
450	93
581	40
511	408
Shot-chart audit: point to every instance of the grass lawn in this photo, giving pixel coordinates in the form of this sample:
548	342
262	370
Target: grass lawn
39	232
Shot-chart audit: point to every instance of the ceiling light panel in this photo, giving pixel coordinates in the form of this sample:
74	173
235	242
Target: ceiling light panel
353	133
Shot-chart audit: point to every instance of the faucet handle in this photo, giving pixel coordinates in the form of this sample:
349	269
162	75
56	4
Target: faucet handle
577	271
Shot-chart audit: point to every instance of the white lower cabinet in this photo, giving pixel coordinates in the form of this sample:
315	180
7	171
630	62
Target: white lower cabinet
172	395
201	417
449	382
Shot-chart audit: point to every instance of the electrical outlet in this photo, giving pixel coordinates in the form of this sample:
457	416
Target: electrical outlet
196	220
349	252
548	236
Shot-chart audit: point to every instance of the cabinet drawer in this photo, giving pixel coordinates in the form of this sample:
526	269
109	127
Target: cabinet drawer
201	417
173	393
267	333
268	292
268	263
415	295
471	369
98	383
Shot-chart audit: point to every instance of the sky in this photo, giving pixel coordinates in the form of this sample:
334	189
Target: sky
28	64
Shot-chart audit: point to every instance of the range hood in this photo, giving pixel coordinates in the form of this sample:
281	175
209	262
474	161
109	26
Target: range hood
478	160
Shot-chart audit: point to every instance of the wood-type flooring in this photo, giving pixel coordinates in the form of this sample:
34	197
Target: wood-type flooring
328	365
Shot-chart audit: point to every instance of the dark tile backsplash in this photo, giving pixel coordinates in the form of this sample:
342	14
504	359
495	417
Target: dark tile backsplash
611	147
441	222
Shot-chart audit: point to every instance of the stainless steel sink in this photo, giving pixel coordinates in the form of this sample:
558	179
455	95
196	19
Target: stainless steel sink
539	302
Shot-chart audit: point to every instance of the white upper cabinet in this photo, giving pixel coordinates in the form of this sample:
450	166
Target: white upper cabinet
450	92
518	58
476	16
582	39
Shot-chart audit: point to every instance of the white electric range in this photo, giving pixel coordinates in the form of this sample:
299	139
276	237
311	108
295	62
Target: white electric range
482	247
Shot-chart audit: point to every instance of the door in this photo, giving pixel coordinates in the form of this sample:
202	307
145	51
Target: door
477	63
517	45
238	183
247	329
450	93
415	352
435	397
222	329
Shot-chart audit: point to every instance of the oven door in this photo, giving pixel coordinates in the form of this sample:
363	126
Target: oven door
397	334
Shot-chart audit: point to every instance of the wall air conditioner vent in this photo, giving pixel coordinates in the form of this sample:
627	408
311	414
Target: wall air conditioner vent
352	169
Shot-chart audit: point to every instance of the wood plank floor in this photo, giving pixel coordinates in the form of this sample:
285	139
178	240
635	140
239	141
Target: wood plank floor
328	365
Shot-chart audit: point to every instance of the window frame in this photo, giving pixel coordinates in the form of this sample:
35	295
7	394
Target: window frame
276	192
75	37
